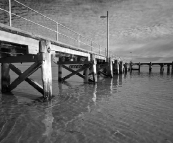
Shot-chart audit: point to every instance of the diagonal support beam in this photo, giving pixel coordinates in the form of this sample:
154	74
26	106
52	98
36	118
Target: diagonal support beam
75	72
80	75
69	69
29	80
24	75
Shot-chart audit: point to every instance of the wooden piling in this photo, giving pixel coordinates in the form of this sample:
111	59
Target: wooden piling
60	70
5	77
130	67
150	67
86	73
116	67
172	68
125	68
110	68
139	69
161	68
46	69
121	67
168	68
94	72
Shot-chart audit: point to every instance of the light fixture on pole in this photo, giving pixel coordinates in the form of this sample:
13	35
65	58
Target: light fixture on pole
107	16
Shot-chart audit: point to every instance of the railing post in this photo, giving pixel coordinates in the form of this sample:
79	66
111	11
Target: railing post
78	40
57	29
91	46
10	12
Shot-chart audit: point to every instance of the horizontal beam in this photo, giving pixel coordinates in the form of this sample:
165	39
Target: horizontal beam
73	62
23	58
152	63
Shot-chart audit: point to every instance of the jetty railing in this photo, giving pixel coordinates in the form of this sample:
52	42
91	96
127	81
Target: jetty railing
18	15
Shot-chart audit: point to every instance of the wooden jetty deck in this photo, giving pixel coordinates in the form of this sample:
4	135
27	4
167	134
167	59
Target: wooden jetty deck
20	46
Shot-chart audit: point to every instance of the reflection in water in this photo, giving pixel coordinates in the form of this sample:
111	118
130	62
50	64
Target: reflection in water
48	120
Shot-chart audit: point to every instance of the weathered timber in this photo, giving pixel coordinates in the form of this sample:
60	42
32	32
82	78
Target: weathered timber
125	68
24	75
21	59
75	72
102	67
46	69
71	70
139	65
110	68
168	68
116	67
150	67
5	78
33	83
60	70
161	68
72	62
86	73
121	67
94	69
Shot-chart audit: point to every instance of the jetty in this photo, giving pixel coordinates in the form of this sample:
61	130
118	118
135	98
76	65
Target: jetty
150	64
40	43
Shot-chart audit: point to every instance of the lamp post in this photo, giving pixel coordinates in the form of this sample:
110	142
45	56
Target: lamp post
107	16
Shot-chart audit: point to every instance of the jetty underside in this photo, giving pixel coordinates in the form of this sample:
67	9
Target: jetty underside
17	46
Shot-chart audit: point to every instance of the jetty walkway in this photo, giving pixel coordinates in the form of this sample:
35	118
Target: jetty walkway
36	38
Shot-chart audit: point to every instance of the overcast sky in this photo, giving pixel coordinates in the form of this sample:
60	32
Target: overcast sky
141	30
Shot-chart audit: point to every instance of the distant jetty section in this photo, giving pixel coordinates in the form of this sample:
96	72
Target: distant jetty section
150	64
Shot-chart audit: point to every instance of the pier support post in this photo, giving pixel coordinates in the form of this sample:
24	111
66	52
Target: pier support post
116	67
46	69
139	67
150	67
161	68
125	68
172	68
110	68
168	68
130	67
94	72
121	67
5	78
60	71
86	73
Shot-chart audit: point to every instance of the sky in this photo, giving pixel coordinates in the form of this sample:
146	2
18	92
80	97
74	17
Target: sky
139	30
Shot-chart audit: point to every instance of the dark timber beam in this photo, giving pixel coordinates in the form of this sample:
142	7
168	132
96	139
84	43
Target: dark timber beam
24	75
21	59
37	86
5	78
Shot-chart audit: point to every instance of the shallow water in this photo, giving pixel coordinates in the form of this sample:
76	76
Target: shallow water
128	108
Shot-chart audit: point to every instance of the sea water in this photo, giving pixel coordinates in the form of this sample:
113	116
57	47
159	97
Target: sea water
128	108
